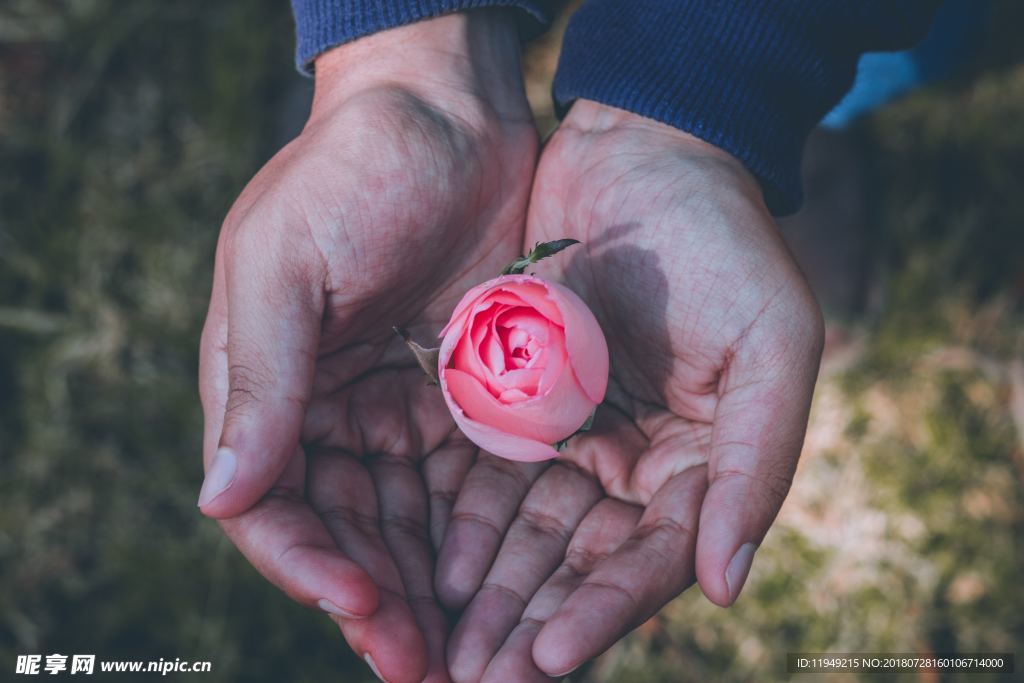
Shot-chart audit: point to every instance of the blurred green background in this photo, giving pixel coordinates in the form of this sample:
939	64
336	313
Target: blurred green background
127	129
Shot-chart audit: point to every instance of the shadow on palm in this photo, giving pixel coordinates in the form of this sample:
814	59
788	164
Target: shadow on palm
656	419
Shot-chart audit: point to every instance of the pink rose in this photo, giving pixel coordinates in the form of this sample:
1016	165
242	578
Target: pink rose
522	366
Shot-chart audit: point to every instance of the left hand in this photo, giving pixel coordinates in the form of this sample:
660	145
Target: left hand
714	340
326	452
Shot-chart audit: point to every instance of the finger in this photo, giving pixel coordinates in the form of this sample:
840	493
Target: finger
485	507
533	548
342	492
755	444
287	542
604	529
213	364
650	568
514	661
611	450
281	536
274	289
403	521
444	471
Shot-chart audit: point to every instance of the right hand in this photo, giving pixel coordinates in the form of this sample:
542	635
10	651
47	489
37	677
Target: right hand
324	447
714	341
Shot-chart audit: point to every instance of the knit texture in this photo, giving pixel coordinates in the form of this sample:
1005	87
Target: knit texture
323	24
752	77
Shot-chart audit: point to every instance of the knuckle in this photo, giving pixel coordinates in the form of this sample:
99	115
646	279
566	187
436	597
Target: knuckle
444	497
505	591
770	485
478	520
247	384
404	525
506	473
664	531
340	516
611	587
580	561
539	523
665	540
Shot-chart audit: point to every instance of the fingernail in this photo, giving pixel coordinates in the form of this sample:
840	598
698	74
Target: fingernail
373	666
563	675
329	607
739	567
220	475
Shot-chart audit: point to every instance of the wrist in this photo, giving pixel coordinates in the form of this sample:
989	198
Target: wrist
456	60
590	118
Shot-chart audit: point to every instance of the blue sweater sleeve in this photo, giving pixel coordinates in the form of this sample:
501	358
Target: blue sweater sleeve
752	77
323	24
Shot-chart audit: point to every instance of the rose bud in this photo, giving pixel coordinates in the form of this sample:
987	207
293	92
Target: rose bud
522	365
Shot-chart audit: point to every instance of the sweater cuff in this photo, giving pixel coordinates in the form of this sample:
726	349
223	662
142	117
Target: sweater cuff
752	77
323	24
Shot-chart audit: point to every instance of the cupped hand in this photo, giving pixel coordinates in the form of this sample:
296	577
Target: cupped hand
715	342
330	462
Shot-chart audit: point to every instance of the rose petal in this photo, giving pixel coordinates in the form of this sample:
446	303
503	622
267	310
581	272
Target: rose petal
554	359
517	337
466	358
480	405
467	354
564	406
526	329
506	298
584	342
490	439
526	380
534	293
525	321
547	419
513	396
492	354
530	290
523	429
463	308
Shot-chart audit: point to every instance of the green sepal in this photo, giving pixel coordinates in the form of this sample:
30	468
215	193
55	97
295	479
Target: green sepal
541	250
585	427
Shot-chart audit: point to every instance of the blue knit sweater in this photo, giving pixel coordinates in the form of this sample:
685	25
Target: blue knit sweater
752	77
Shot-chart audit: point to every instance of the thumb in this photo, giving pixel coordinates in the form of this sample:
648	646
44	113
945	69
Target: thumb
756	441
275	301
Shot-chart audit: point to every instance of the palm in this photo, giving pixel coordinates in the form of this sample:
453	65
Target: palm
403	209
701	307
670	309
